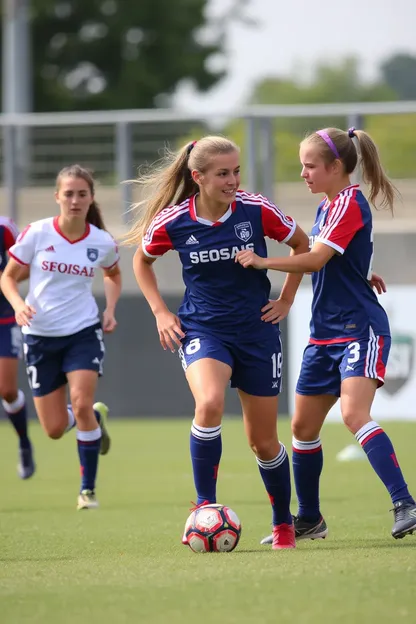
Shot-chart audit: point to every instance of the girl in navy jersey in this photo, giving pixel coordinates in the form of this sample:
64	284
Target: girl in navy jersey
349	331
63	336
197	209
13	399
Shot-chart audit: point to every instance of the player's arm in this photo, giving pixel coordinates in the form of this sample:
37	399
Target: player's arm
168	324
299	244
275	311
310	262
11	276
112	291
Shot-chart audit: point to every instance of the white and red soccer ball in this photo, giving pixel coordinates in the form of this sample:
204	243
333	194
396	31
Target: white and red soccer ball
213	528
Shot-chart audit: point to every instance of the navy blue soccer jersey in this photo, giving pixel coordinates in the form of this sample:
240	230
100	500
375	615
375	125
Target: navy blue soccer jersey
220	295
344	305
8	235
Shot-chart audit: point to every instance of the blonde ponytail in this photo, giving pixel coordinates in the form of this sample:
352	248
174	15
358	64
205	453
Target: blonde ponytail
170	182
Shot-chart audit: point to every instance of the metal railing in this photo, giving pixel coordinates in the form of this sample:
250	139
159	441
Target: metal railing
113	143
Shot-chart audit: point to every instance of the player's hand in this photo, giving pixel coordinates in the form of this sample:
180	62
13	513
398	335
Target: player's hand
248	258
24	314
275	311
378	283
169	328
109	321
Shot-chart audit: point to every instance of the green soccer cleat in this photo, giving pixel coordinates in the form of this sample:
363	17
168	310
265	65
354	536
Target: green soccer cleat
87	500
103	410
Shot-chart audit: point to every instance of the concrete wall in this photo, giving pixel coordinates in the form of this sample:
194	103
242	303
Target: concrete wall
140	379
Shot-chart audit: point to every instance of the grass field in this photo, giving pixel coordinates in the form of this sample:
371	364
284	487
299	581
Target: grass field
125	563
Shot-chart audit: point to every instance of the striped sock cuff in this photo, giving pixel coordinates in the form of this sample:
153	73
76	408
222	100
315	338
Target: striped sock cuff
16	405
89	436
368	431
71	419
271	464
205	433
312	446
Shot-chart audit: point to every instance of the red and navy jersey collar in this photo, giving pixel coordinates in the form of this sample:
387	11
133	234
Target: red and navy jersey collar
225	216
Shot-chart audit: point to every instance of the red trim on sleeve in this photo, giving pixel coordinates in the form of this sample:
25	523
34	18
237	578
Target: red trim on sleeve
18	259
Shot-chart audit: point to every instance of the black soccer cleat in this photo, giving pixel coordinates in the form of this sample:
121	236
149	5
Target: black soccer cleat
26	466
310	530
404	519
304	530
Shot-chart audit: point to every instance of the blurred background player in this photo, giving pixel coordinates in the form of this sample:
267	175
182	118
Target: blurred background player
13	399
63	337
350	335
220	329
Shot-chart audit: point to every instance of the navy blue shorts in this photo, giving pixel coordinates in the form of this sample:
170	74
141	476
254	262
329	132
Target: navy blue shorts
11	341
256	366
324	367
48	359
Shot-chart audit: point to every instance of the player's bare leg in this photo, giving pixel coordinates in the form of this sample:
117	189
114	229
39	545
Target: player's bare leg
357	395
260	414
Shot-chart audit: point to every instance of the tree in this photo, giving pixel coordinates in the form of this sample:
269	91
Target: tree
115	54
399	72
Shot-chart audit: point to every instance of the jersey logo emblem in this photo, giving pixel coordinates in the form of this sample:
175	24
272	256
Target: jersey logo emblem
244	231
92	254
192	240
51	248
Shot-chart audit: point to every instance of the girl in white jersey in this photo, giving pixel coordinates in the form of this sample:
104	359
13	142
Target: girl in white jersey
63	336
350	340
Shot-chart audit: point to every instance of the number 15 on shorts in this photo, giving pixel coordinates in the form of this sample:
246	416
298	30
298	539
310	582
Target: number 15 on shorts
277	366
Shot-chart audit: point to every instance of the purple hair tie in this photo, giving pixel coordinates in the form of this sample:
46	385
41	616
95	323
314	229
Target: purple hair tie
329	142
351	132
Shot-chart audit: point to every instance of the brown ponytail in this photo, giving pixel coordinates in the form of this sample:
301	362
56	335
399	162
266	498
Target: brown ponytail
95	217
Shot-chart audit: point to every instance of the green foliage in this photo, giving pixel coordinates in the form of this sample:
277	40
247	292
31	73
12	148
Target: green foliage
399	72
394	134
118	54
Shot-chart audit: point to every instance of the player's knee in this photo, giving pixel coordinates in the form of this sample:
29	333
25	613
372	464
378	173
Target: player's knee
81	406
54	430
209	410
302	430
7	393
354	420
265	448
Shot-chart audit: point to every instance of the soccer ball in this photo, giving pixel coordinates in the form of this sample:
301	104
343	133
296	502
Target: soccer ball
213	528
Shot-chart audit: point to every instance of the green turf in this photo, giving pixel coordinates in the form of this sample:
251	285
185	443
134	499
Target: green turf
125	562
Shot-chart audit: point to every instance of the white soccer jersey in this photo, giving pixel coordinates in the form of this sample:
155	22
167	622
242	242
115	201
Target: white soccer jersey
61	275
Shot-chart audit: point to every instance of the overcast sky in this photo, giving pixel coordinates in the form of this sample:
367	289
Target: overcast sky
295	34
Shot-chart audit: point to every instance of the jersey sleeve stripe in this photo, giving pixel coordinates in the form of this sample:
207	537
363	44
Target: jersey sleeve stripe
170	211
341	206
319	239
260	200
157	223
18	259
146	253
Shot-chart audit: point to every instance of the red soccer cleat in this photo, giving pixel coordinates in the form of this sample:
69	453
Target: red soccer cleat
184	538
283	536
